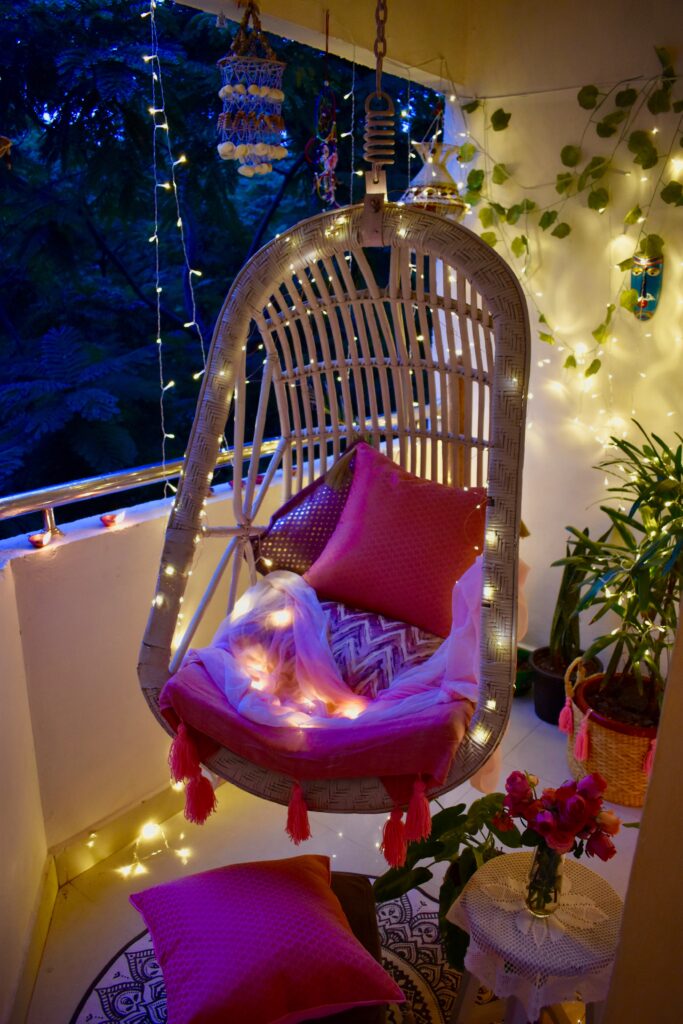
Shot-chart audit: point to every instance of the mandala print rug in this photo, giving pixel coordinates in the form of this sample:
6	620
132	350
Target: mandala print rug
130	990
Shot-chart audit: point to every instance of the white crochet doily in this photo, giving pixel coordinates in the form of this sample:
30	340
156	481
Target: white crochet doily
540	961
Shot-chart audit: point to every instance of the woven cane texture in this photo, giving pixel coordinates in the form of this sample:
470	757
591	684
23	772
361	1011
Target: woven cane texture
618	757
422	345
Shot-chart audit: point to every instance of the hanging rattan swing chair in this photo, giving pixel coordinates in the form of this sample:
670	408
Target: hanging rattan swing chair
340	307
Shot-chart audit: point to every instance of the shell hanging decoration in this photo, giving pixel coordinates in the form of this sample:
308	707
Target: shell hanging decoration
251	124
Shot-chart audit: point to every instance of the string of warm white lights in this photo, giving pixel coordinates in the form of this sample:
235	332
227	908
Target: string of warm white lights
159	116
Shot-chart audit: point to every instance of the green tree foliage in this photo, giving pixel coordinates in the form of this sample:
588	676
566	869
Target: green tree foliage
79	391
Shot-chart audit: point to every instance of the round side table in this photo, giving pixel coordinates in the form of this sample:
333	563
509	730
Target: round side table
530	961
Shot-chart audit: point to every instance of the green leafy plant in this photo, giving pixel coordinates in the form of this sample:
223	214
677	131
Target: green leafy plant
634	569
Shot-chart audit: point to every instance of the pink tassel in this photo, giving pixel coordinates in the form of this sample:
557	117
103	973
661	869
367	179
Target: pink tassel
298	828
394	843
200	799
582	745
650	758
566	719
183	759
418	817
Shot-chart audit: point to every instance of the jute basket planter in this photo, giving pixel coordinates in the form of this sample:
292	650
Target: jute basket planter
621	753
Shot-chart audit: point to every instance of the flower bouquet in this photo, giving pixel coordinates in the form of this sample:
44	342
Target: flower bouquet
569	819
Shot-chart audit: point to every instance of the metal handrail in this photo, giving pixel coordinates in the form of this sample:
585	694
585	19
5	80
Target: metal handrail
47	498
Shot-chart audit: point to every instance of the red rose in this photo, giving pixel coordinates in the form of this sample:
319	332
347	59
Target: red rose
517	786
560	841
573	813
503	822
600	845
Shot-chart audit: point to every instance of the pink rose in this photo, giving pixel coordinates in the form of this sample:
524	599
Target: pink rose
600	845
517	786
608	822
544	823
573	813
560	841
591	787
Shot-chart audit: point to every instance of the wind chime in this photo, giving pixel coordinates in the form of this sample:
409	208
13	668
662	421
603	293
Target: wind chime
433	187
321	150
251	124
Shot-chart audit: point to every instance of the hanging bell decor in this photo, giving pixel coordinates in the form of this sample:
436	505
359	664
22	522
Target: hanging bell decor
251	124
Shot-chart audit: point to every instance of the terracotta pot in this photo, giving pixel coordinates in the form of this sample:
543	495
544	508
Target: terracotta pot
621	752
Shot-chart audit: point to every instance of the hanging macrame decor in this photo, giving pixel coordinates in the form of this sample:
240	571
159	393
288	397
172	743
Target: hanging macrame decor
251	124
433	187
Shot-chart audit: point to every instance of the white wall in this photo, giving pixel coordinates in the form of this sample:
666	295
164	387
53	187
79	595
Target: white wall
531	46
23	847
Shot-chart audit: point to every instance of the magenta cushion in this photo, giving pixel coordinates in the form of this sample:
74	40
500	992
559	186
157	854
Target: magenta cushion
263	943
400	544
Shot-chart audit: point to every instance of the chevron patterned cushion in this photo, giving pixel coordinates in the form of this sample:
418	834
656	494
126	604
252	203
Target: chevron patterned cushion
369	649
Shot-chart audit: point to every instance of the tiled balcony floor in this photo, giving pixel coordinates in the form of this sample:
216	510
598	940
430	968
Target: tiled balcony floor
93	919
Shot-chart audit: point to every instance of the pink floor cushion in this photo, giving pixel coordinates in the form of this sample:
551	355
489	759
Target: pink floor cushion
370	649
400	544
259	943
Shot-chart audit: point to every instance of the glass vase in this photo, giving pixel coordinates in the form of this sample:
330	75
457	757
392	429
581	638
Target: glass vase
545	881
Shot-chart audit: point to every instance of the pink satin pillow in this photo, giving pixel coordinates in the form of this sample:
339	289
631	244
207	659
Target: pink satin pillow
400	544
263	943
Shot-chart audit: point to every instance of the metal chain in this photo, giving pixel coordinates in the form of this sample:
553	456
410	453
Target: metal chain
380	49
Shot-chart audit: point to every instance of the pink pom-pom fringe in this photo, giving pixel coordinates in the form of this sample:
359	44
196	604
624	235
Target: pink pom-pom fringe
418	818
582	745
566	719
394	843
650	758
298	828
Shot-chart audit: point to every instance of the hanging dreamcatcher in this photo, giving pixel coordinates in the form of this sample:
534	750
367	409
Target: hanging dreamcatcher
251	124
321	150
433	187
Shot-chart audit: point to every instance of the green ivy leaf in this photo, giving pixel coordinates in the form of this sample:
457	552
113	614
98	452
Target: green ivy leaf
490	237
626	98
542	318
633	215
588	97
499	174
640	144
594	169
547	338
659	101
500	120
626	264
564	182
514	213
562	230
615	117
528	205
652	246
570	363
610	311
467	152
475	179
672	193
600	333
473	198
663	56
548	218
677	106
519	245
605	130
500	210
470	107
598	199
629	299
570	156
486	216
593	368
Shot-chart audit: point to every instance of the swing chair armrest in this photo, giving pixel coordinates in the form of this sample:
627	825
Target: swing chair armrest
233	531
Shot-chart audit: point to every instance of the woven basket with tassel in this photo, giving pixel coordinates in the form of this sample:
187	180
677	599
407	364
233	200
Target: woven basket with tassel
623	754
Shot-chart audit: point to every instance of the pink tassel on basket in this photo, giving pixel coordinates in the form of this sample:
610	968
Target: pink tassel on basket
566	719
394	843
418	818
298	828
582	746
650	758
200	799
183	759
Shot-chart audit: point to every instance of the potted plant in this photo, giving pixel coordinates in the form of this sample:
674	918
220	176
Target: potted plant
633	571
549	664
